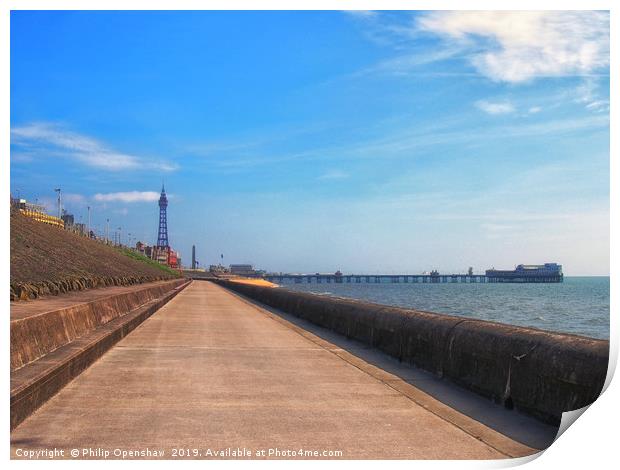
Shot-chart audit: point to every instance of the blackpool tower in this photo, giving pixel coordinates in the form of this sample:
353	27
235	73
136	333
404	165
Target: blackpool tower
162	234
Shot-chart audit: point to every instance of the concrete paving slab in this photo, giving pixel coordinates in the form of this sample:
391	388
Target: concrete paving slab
211	372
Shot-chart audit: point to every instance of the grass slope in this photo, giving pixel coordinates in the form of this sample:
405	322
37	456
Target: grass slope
49	257
137	256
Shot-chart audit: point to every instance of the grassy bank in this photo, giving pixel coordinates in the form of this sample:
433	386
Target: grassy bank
139	257
49	260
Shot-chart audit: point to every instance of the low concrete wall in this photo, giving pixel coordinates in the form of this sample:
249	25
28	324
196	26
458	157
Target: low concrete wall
538	372
39	380
35	336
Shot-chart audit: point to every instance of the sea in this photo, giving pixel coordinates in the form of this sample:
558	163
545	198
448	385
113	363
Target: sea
579	305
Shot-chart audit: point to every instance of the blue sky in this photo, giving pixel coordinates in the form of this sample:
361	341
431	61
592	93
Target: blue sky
316	141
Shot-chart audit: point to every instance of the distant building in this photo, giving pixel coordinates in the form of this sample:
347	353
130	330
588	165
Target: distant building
173	259
548	272
242	269
80	228
217	269
159	254
68	219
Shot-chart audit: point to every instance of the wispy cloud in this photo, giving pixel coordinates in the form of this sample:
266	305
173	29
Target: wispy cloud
587	94
404	141
78	147
361	13
73	198
405	64
489	107
333	175
21	157
128	196
517	46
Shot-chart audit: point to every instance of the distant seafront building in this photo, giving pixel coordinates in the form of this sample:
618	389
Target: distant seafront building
548	272
242	269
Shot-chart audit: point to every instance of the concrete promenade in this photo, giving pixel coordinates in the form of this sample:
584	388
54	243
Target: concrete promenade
213	371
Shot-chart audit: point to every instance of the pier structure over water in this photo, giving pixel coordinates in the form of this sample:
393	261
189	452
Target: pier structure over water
545	273
404	278
376	278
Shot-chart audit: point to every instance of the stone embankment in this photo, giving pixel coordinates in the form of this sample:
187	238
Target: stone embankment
538	372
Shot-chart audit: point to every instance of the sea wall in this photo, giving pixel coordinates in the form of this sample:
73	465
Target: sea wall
538	372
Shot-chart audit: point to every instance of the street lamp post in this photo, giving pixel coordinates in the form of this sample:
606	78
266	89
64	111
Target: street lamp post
59	202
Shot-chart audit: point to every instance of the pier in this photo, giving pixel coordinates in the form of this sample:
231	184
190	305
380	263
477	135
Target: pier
377	278
547	273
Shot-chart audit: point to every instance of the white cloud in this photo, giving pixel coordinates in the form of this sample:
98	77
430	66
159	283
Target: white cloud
128	196
47	136
503	107
534	110
517	46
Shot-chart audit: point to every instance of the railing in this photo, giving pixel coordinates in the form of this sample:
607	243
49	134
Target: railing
43	217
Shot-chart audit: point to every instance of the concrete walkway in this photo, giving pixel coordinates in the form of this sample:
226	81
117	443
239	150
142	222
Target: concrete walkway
211	372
